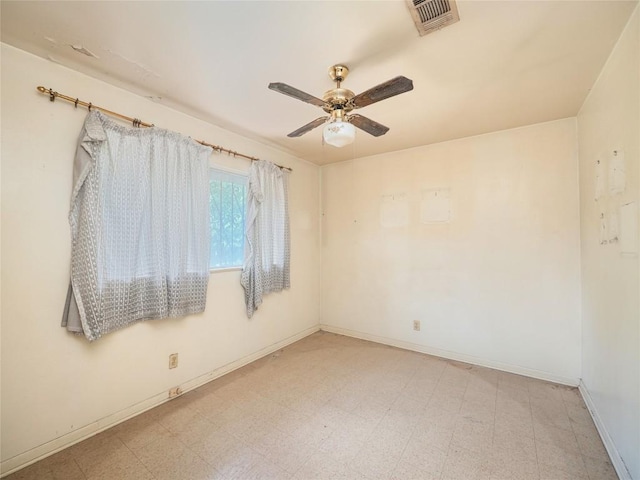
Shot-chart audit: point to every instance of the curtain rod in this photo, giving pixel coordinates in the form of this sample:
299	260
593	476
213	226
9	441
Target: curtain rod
139	123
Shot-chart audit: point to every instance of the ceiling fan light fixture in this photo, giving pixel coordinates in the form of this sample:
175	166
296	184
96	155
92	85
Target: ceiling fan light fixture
339	133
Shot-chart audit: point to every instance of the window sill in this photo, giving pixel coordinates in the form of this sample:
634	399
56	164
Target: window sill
224	269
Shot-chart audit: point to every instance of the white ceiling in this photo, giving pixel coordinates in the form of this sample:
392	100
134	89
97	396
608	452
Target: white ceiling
505	64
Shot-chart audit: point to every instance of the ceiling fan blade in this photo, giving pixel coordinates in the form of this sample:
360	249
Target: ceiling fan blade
390	88
308	127
363	123
295	93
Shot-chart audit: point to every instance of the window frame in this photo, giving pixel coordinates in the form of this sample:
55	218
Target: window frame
240	173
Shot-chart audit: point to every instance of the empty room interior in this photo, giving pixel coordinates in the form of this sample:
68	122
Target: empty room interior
320	240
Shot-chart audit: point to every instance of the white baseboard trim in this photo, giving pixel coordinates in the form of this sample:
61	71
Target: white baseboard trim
505	367
54	446
616	459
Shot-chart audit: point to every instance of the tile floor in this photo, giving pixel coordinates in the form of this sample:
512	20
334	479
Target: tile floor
333	407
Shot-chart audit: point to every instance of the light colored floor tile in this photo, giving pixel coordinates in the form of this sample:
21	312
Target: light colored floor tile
578	413
312	432
140	431
372	408
553	456
287	452
511	446
436	436
507	404
478	411
130	469
549	472
98	461
551	416
513	469
195	430
522	425
559	438
207	403
332	407
585	428
512	380
571	395
342	445
592	446
463	464
473	435
37	471
442	401
93	443
420	388
544	390
216	443
168	458
376	461
264	470
598	469
249	428
68	470
408	471
423	456
323	466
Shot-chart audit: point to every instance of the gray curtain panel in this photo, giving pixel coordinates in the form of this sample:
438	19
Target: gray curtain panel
266	264
139	225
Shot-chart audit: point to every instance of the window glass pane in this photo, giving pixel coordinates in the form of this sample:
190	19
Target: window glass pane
227	201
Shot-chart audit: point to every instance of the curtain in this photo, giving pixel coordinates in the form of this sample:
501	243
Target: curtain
266	263
139	226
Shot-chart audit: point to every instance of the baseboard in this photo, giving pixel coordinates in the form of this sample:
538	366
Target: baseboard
505	367
54	446
614	455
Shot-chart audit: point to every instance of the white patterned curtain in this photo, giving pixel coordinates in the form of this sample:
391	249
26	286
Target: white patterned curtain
139	225
266	264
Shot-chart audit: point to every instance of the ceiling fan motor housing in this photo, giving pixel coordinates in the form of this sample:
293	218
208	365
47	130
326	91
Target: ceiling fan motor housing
338	98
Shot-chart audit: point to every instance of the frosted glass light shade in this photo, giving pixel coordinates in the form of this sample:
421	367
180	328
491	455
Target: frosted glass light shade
339	133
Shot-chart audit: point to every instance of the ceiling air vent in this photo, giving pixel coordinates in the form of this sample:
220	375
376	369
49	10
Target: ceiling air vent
432	15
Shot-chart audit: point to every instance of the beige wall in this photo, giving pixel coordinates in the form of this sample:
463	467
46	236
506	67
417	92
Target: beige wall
498	285
610	119
57	387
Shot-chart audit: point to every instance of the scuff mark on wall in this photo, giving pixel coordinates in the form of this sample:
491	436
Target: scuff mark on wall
54	59
84	51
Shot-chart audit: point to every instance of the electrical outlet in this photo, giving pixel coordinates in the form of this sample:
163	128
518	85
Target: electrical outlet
174	392
173	360
416	325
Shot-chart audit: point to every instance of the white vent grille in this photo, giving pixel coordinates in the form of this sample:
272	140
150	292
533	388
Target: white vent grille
432	15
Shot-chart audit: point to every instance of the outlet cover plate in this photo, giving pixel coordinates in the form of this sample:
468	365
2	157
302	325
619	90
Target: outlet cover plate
173	360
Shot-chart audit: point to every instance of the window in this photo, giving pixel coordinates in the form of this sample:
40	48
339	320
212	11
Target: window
227	202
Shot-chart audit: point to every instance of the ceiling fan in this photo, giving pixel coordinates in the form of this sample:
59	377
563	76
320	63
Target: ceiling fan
339	102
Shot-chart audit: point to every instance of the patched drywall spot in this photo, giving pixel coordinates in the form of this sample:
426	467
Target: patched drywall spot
435	205
394	210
